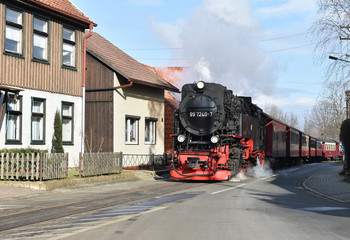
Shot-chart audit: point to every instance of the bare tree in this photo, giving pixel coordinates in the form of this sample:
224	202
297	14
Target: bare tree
327	115
274	111
331	31
93	143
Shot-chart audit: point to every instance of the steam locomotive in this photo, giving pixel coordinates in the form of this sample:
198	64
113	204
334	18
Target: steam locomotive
217	134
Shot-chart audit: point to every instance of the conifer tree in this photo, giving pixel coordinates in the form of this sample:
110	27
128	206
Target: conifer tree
57	146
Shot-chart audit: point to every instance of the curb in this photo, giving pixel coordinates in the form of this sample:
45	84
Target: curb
124	176
303	185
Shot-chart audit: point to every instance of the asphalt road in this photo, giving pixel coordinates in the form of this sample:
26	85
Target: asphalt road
274	207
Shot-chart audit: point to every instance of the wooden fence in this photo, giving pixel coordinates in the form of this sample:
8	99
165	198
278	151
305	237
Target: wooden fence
92	164
35	167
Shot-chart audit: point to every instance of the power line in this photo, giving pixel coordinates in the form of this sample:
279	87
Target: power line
285	49
282	37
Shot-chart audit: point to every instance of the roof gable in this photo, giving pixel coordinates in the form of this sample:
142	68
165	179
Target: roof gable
64	7
125	65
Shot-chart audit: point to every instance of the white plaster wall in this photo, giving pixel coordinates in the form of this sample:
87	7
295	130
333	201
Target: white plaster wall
53	103
139	101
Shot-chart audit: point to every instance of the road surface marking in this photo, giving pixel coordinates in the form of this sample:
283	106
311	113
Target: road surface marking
228	189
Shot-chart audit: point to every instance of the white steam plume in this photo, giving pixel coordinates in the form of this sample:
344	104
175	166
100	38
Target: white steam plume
220	44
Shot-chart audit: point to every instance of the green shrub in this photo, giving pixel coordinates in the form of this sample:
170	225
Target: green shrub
21	151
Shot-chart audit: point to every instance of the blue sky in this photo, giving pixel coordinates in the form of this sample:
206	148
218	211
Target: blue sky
258	48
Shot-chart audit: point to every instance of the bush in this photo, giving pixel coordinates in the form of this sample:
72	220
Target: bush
22	151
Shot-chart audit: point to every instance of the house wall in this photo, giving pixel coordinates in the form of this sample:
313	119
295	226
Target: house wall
98	107
53	103
48	80
144	102
25	73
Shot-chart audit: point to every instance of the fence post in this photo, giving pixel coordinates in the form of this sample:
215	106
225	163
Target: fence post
121	162
41	167
152	162
80	163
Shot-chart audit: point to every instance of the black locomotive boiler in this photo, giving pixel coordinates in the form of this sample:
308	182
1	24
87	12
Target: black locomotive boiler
216	133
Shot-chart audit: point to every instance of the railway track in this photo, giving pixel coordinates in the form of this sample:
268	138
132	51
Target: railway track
61	208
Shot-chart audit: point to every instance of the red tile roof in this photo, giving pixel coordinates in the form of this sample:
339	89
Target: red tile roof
64	7
125	65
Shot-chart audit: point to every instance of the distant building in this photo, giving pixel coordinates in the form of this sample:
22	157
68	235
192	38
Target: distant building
41	72
124	102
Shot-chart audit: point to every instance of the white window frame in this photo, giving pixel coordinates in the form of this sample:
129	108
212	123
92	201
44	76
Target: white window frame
14	120
67	122
14	31
38	121
132	130
150	130
40	38
68	47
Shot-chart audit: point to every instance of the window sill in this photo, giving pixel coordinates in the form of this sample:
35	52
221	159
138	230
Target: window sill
13	54
13	143
43	61
37	143
69	67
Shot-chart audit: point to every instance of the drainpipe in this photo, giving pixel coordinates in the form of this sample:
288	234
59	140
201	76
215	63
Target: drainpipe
111	88
83	86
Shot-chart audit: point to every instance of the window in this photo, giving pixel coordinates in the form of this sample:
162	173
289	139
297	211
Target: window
14	31
150	131
38	120
14	119
68	53
131	129
40	39
67	122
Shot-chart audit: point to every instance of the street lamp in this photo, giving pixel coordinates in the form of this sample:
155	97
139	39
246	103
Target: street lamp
347	99
347	93
336	59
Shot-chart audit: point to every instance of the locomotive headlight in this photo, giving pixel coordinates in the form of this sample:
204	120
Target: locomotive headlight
200	85
181	138
214	139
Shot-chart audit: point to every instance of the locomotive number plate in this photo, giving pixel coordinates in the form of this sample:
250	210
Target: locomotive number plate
201	114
